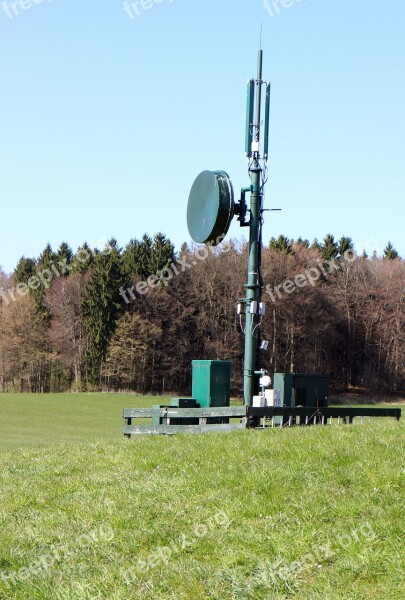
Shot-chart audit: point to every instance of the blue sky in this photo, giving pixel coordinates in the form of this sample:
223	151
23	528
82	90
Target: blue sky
106	120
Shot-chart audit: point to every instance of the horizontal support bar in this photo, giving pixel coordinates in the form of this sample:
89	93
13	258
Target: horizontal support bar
287	411
364	412
173	412
140	413
172	429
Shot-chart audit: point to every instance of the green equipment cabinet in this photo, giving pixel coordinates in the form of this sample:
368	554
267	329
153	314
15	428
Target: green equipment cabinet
211	385
211	382
302	389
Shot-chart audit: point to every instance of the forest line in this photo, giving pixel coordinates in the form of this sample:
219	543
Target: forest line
133	319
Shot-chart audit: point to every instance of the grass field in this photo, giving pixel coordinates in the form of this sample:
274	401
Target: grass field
43	419
312	513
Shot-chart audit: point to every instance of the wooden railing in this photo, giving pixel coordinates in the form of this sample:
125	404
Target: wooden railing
209	419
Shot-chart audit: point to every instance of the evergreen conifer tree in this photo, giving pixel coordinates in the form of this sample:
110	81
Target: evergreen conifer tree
345	244
162	253
64	256
329	247
390	252
24	270
281	244
101	306
83	260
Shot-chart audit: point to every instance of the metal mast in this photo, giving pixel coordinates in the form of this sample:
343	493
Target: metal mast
254	309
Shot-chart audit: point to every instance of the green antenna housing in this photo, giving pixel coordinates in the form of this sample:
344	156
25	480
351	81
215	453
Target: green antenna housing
266	123
250	103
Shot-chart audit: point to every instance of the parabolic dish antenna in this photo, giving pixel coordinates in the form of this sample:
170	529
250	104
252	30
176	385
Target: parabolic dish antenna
210	207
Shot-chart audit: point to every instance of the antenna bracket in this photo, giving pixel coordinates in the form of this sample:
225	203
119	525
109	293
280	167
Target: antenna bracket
240	208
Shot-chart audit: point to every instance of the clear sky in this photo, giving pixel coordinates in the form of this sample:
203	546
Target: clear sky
107	117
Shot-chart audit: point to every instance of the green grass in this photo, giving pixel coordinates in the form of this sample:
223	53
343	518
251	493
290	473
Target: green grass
43	419
46	419
330	498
